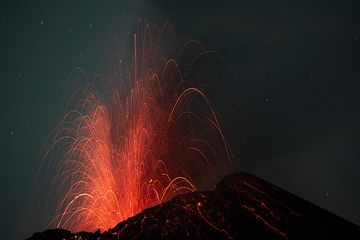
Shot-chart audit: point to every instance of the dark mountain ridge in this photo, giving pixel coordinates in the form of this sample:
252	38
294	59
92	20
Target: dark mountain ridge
242	206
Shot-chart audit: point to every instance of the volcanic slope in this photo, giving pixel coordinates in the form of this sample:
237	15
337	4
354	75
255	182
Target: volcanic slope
242	206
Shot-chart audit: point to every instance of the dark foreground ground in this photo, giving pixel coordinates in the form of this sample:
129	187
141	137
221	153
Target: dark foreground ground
242	206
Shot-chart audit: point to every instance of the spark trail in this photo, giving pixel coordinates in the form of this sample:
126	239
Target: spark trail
149	136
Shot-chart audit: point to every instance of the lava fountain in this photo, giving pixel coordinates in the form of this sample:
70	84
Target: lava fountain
150	135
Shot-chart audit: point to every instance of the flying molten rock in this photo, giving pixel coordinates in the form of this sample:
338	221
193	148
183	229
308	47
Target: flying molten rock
149	136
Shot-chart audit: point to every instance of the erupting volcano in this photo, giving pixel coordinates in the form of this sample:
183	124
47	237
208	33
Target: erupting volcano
149	135
143	155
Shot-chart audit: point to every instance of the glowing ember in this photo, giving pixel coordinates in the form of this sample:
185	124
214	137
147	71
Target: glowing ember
143	140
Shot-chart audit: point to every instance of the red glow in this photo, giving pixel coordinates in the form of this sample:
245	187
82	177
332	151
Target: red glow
137	144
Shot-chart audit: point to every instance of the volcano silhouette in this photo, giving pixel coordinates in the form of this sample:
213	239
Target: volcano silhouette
242	206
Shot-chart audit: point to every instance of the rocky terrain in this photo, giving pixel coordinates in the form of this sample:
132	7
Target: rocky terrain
242	206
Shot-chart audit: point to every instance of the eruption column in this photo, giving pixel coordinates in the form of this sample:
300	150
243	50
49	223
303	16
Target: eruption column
136	144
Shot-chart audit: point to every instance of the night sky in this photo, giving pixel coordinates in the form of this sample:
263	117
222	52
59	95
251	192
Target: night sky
293	120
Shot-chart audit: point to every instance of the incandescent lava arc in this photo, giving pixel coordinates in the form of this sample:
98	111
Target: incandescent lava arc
150	135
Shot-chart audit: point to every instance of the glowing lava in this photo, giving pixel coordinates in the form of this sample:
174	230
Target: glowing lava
150	136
